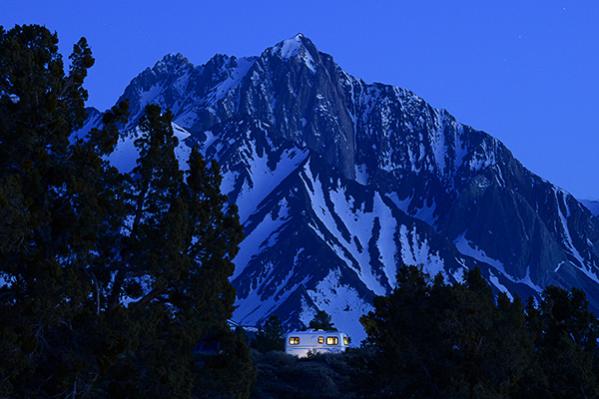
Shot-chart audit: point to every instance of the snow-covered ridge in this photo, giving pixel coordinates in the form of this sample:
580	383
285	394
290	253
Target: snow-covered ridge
295	47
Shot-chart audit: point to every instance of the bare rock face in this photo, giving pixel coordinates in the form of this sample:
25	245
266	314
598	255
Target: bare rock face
338	182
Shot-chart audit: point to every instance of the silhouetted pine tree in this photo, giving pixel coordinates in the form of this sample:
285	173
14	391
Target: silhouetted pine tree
565	337
54	205
270	337
433	340
109	280
322	321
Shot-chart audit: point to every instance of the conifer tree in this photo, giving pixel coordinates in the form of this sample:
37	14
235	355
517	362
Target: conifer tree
565	337
430	339
322	321
108	281
53	202
270	337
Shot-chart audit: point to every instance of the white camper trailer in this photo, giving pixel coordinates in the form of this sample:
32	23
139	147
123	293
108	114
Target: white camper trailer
300	343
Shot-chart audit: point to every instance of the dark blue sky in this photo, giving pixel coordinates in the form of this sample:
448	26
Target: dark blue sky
526	71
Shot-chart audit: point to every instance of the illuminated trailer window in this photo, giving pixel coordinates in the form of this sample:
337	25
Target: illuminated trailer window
304	343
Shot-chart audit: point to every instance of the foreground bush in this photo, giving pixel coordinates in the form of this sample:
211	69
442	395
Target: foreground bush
430	339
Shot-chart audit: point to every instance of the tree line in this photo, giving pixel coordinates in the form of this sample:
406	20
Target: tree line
117	285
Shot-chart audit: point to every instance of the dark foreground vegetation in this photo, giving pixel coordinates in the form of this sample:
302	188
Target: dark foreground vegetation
117	285
429	339
109	280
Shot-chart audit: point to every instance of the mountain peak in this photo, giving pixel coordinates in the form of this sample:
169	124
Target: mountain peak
297	47
172	62
292	46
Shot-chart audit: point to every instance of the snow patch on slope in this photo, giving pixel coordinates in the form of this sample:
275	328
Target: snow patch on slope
465	247
356	220
125	154
495	281
264	179
342	302
561	198
417	252
233	79
293	47
255	307
361	174
257	304
261	237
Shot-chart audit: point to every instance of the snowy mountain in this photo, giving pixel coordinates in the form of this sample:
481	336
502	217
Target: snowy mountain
339	181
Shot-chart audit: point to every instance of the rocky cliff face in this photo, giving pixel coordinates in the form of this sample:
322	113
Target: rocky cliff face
339	181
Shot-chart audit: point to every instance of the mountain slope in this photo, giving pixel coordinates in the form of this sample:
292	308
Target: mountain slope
338	181
592	206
